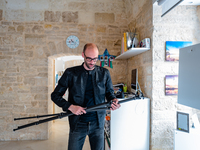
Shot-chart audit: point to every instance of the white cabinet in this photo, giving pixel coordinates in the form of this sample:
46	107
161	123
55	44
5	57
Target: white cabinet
130	125
187	141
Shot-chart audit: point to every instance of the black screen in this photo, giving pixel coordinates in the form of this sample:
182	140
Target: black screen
134	79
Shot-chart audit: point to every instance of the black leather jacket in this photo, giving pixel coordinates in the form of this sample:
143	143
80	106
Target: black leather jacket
74	79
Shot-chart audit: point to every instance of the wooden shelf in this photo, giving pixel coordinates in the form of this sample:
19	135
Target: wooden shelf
132	52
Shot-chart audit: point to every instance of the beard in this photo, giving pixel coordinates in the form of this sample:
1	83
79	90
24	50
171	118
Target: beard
89	65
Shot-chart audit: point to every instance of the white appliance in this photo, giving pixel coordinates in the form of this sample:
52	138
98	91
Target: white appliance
130	125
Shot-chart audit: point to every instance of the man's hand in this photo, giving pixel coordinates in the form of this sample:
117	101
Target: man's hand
77	110
115	104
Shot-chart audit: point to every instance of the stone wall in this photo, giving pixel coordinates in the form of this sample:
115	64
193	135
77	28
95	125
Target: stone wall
180	24
141	20
32	34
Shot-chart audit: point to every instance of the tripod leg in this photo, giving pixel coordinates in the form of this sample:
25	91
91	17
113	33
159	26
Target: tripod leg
38	116
43	121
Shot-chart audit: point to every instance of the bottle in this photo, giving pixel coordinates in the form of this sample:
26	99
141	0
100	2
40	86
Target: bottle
125	88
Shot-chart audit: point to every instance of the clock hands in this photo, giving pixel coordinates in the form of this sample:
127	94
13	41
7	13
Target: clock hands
72	41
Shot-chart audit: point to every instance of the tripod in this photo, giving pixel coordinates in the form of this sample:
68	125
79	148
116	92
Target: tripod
99	107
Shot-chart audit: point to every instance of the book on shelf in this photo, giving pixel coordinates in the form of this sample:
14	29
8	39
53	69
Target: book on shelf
122	45
125	42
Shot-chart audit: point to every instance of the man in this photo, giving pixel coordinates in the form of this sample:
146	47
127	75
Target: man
88	85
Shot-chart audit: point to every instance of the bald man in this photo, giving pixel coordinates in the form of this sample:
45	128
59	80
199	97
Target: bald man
88	85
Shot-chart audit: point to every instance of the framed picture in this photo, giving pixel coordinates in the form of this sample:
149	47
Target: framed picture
171	85
183	121
172	49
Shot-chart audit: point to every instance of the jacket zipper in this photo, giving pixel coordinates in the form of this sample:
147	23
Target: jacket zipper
85	86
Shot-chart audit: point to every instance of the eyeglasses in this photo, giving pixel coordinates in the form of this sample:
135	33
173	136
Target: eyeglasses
89	59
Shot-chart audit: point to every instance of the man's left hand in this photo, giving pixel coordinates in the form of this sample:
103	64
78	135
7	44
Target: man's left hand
115	104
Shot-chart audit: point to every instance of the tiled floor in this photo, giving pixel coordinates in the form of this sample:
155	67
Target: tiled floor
57	141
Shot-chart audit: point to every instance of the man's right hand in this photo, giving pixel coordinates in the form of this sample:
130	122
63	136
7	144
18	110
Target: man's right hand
77	110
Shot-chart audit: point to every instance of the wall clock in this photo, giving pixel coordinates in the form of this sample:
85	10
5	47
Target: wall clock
72	41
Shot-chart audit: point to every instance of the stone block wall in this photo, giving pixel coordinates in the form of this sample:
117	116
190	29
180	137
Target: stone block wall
32	34
141	20
180	24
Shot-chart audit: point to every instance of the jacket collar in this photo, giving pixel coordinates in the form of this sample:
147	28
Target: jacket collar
90	71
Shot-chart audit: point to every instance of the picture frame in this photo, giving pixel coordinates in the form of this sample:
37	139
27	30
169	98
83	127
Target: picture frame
171	85
172	49
183	121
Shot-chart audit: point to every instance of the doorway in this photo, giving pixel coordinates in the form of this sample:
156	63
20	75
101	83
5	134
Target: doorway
60	64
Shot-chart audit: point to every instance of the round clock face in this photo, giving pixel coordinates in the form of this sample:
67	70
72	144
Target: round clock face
72	41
